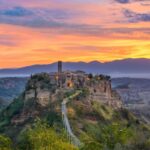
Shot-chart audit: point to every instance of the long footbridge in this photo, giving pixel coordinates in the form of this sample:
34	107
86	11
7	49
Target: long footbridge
71	136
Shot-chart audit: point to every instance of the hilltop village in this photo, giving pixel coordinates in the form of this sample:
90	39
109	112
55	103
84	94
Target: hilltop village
99	86
44	89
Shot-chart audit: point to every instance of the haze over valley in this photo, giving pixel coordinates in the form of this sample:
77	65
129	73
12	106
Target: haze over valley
135	94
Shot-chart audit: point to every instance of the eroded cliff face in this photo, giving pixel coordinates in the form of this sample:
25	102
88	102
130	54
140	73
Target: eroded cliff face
102	91
43	90
41	96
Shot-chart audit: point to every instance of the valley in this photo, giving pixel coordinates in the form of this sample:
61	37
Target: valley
135	94
10	88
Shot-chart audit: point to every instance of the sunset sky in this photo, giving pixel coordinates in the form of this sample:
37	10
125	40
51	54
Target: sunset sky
44	31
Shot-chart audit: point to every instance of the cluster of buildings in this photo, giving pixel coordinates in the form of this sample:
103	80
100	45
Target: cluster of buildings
68	79
40	94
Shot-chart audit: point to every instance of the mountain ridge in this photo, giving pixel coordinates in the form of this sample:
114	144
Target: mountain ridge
124	66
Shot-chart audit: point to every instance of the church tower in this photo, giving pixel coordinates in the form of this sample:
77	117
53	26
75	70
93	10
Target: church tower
59	73
59	67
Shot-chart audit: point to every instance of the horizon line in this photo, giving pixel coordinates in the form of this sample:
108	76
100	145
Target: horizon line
73	62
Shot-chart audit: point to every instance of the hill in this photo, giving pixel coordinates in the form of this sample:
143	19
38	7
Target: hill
11	87
119	68
92	112
3	103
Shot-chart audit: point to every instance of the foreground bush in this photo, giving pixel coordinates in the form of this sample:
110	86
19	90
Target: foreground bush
5	143
42	137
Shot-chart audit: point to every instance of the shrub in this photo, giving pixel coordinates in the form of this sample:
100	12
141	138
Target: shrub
42	137
5	143
115	134
93	145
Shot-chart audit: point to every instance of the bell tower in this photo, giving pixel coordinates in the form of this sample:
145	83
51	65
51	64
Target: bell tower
59	67
59	74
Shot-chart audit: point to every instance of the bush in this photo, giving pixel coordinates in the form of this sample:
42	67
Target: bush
42	137
5	143
92	146
52	118
115	134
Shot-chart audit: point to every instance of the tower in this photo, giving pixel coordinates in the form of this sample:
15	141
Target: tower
59	67
59	74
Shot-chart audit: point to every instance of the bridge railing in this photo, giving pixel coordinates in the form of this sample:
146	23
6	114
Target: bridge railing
72	138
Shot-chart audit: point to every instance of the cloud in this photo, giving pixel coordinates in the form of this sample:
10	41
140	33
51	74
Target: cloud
123	1
7	40
109	33
130	1
56	19
60	22
35	17
16	12
134	17
79	48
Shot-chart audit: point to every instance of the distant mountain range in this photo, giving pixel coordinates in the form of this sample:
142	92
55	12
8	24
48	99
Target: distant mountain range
118	68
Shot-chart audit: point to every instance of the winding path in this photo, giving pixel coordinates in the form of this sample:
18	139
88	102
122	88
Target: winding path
72	138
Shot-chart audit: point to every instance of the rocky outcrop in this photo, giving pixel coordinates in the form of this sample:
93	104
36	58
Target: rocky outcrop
43	97
44	89
102	91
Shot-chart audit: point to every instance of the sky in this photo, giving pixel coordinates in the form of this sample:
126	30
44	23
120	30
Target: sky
44	31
